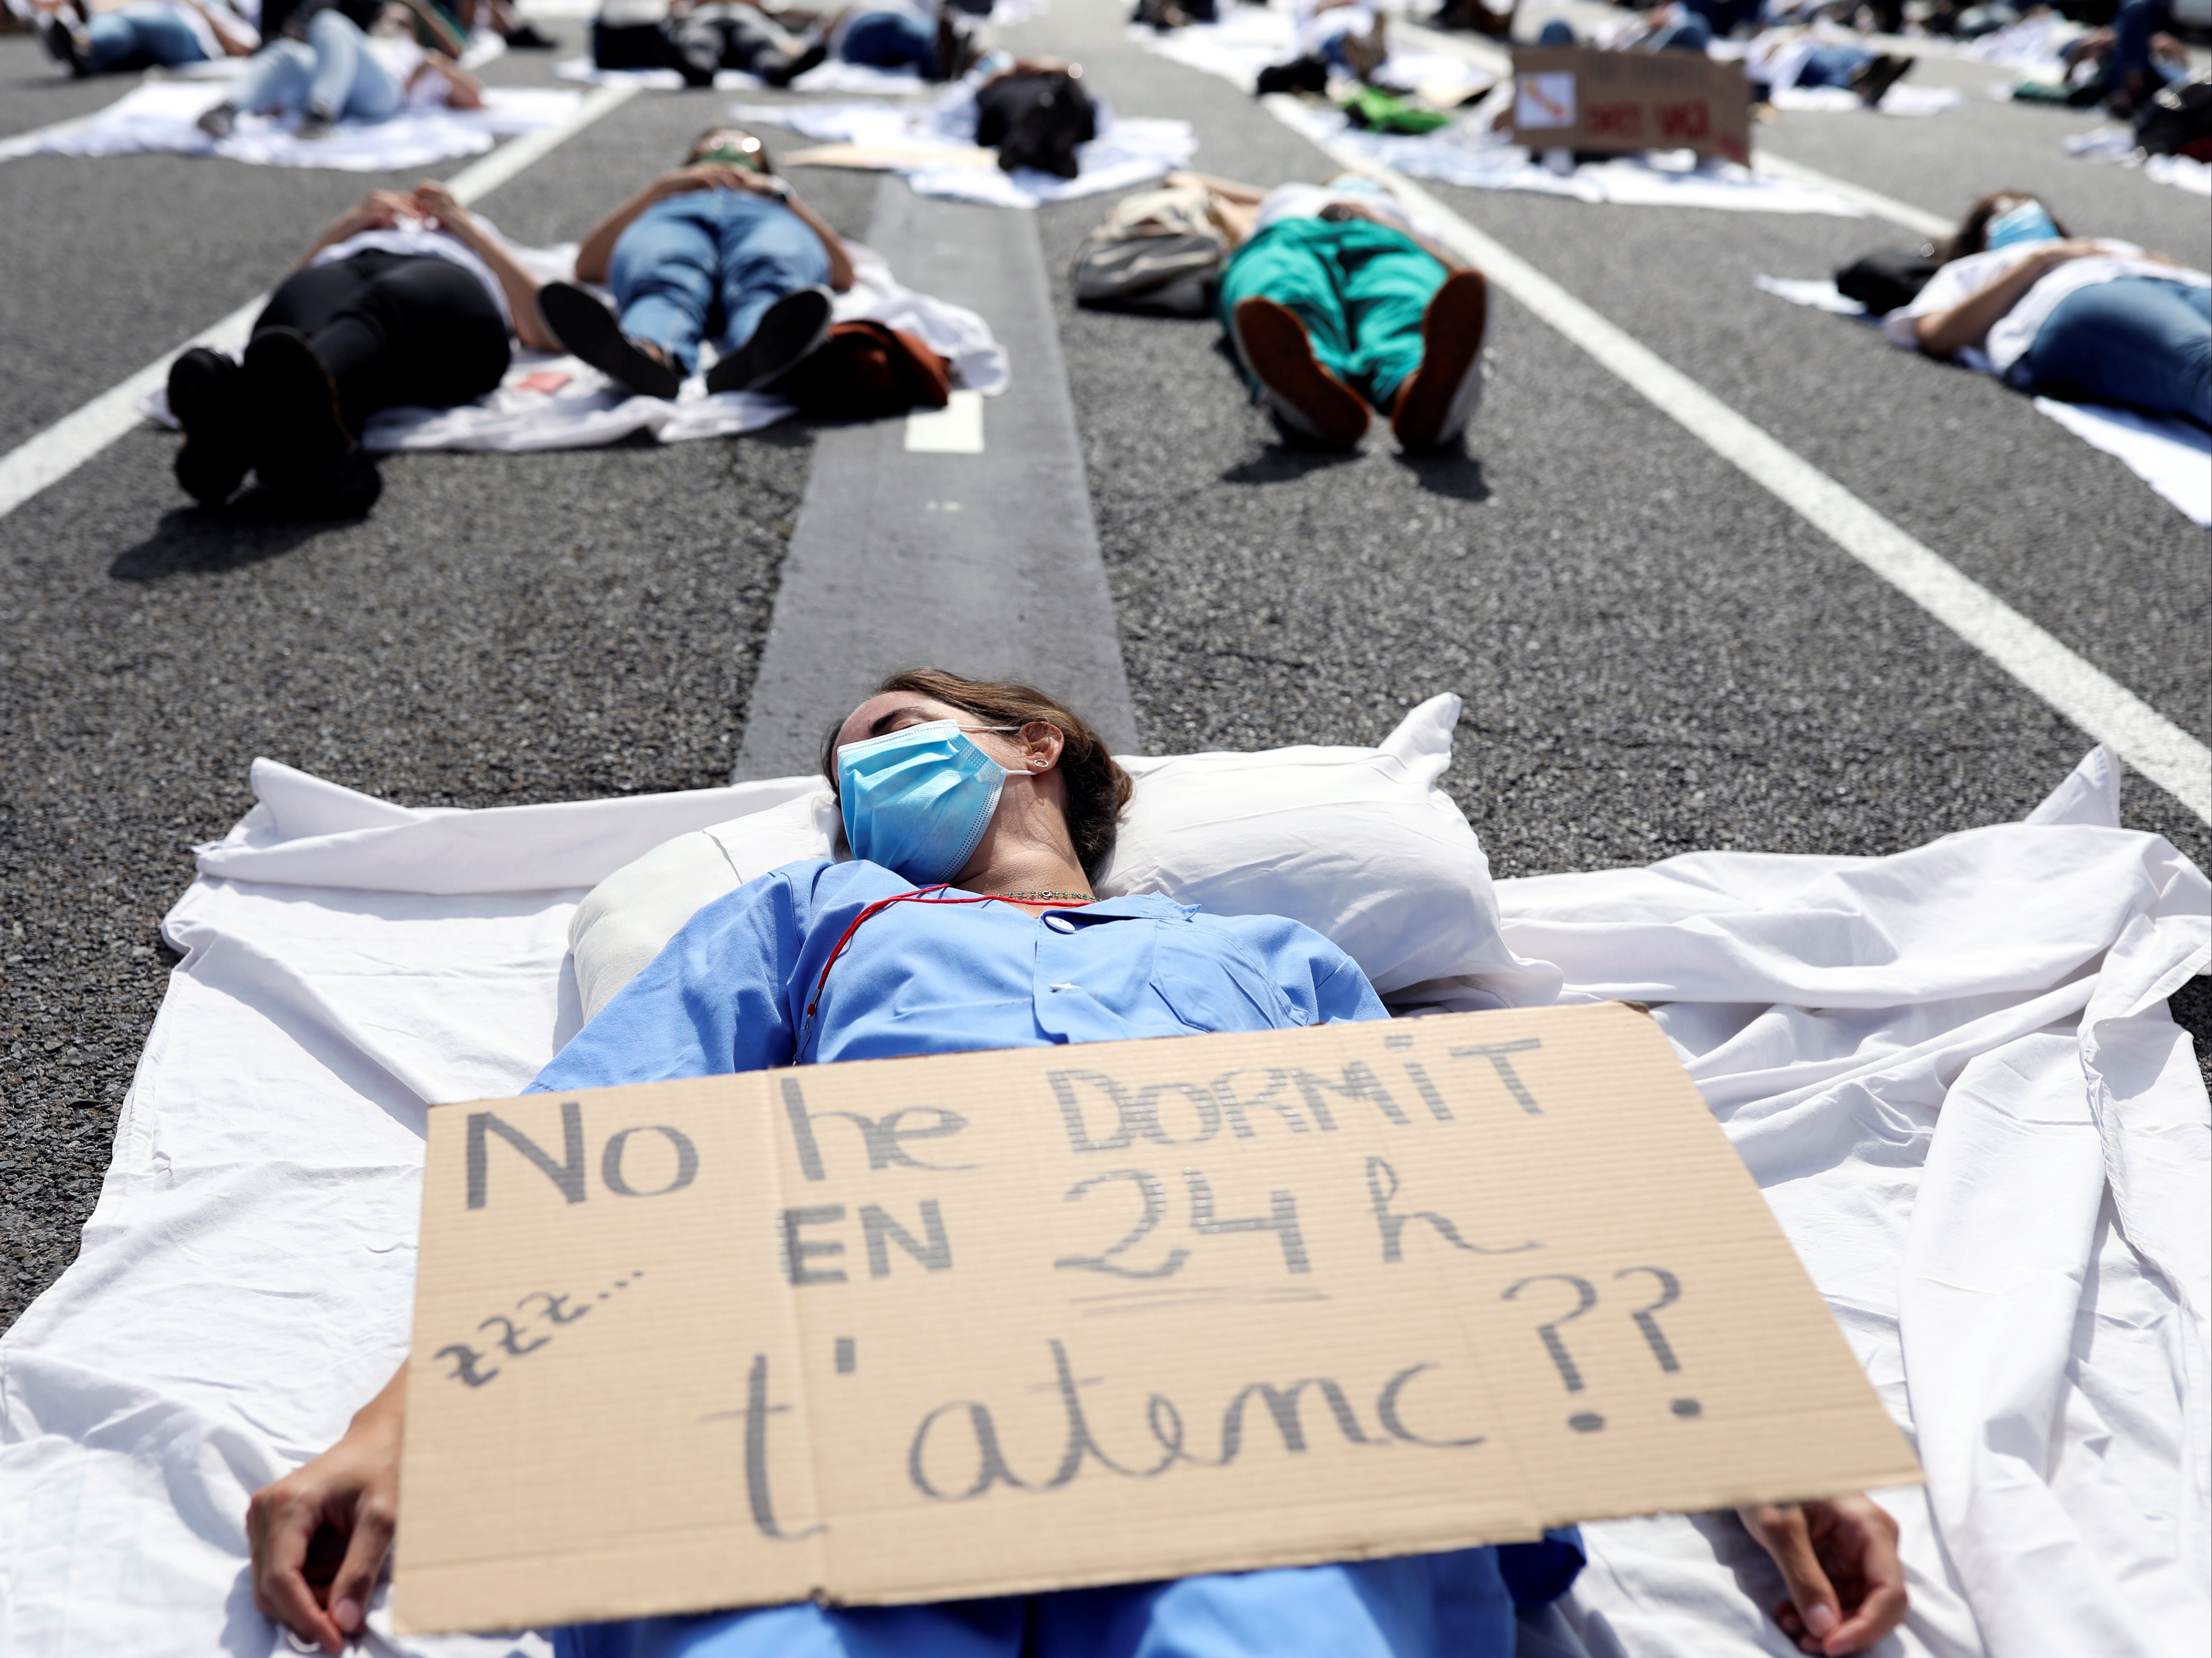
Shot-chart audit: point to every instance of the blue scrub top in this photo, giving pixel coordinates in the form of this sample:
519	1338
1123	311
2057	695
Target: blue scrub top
730	991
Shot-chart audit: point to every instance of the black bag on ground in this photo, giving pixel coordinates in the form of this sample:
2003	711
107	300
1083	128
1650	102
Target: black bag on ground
1885	281
629	45
2177	121
1036	119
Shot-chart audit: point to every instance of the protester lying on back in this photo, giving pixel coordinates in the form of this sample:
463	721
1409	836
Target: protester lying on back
322	65
779	44
2087	320
976	814
405	300
722	227
88	37
1334	303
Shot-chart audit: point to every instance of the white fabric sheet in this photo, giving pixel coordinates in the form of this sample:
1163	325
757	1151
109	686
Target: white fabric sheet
835	75
1469	152
939	140
549	401
161	115
1250	37
2172	455
1951	1070
1900	99
2119	144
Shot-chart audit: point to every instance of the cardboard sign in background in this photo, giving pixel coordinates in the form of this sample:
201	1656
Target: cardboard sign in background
1581	98
976	1324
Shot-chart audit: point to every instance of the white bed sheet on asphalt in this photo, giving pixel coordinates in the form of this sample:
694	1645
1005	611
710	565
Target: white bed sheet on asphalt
1469	152
1125	153
1951	1070
161	115
2172	455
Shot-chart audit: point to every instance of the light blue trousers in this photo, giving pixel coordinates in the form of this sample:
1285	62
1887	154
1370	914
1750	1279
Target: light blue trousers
332	73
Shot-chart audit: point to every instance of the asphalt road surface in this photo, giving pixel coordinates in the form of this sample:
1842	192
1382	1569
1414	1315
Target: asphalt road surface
1657	655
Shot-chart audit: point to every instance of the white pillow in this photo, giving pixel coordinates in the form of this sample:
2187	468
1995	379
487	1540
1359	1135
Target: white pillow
625	920
1359	844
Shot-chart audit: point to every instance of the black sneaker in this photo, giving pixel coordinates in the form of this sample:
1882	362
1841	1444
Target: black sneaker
296	435
782	74
66	45
527	38
789	330
593	333
347	489
1874	78
218	123
205	396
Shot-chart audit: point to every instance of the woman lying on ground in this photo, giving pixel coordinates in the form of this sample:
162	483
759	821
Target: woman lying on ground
1336	303
977	814
87	38
324	67
2084	320
406	300
724	227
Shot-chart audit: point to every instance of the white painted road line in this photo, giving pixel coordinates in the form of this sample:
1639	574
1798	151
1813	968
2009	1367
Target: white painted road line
2098	704
76	438
1933	226
955	429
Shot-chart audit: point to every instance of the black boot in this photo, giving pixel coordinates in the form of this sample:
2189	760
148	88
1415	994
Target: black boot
205	398
303	452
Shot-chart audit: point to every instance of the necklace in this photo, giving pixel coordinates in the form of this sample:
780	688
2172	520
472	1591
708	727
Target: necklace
1039	895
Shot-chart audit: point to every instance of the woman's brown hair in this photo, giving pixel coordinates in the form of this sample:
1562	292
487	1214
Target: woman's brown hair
1098	789
1973	235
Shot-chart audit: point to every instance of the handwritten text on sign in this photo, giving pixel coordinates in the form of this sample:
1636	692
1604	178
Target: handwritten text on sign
1359	1289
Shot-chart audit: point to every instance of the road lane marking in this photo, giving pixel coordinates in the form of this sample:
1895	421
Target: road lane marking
75	438
1933	226
2098	704
955	429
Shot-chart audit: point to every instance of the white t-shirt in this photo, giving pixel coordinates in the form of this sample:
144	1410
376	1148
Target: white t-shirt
1307	201
2014	332
412	237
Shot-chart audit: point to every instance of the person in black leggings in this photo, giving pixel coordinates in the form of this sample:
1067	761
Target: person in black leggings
390	308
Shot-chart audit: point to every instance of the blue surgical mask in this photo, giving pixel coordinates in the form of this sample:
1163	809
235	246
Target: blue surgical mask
2026	222
917	801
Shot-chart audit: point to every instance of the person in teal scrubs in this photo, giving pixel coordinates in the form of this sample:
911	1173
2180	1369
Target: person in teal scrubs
1337	304
976	814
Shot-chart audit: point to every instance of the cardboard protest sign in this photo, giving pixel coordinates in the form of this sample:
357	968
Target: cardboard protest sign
1581	98
983	1323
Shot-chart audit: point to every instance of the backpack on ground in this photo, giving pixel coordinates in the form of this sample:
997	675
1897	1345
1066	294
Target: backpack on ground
1158	250
2177	121
866	370
1887	281
1036	119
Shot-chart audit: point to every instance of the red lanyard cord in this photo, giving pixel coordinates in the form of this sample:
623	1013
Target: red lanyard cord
875	908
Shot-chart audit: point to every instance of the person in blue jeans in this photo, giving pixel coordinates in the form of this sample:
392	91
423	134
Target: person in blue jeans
337	73
720	237
894	34
2081	320
142	35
